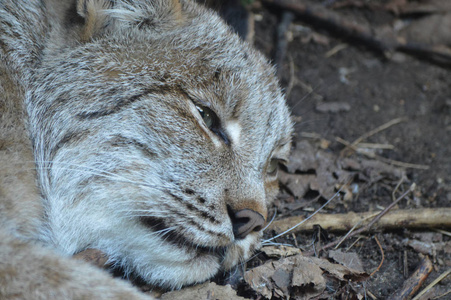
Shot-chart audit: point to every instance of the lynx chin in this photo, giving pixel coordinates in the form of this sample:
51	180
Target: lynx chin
142	128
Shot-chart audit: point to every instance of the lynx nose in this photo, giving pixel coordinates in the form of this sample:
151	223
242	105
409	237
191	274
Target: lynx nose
246	221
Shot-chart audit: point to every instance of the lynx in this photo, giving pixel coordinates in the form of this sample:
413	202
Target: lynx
145	129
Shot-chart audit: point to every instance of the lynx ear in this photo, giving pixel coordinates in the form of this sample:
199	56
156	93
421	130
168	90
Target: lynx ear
155	15
148	14
95	16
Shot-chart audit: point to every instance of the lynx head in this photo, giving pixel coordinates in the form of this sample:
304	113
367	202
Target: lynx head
157	134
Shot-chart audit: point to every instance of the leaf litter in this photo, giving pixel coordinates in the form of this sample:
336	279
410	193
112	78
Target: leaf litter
300	277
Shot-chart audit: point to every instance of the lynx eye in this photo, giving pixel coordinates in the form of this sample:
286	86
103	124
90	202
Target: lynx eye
209	117
211	120
272	167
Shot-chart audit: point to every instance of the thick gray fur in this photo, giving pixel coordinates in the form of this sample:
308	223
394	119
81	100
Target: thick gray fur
102	144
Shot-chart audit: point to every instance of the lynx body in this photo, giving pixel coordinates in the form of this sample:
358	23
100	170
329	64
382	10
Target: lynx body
145	129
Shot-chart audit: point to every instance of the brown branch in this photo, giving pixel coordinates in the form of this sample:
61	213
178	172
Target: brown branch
409	218
331	21
403	218
338	222
334	23
432	284
383	257
413	284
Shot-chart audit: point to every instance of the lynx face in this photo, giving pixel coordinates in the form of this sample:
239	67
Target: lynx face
157	141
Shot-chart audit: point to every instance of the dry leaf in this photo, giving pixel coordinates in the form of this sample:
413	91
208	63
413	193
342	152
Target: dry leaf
298	276
348	259
308	280
303	158
314	169
280	251
209	290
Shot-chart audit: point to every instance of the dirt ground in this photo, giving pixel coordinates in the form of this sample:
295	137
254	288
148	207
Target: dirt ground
338	88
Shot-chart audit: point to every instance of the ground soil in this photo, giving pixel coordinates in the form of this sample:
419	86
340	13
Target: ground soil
376	90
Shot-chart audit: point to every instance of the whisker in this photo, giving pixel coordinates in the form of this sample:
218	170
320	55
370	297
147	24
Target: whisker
307	95
306	219
272	219
101	173
249	259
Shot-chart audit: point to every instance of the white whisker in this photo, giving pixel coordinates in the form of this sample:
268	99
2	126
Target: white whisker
98	172
306	219
272	219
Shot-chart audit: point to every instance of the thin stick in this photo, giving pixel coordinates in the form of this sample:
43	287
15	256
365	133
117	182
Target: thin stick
401	164
395	219
377	130
393	196
414	282
368	226
383	159
375	146
335	50
353	243
308	218
292	77
442	295
339	26
383	257
382	213
353	228
371	295
443	232
437	280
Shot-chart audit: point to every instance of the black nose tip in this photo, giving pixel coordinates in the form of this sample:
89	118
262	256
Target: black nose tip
246	221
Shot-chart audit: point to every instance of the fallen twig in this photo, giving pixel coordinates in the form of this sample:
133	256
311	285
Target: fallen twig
442	296
354	227
443	232
414	282
383	257
301	222
381	158
335	50
437	280
333	22
354	146
403	218
377	130
372	132
376	146
337	222
408	218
